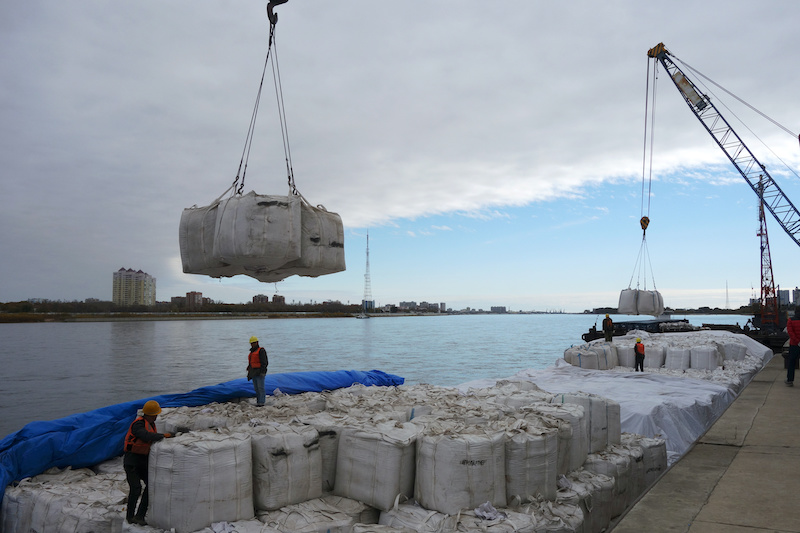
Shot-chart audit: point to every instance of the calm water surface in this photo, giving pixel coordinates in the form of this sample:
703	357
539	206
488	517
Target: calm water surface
52	370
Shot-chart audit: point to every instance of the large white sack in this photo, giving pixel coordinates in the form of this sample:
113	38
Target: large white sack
637	481
628	302
593	493
603	417
606	355
330	514
705	357
287	465
460	469
329	429
531	461
649	303
677	358
616	466
321	246
376	463
582	356
417	518
734	351
258	232
654	455
575	415
378	528
555	517
626	356
654	356
196	235
487	519
198	479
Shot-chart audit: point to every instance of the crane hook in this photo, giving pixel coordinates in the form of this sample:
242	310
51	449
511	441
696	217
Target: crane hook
273	17
644	222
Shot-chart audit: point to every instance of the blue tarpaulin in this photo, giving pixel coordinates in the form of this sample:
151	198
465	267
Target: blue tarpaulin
90	438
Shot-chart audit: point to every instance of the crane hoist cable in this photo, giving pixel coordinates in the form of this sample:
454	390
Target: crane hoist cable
271	59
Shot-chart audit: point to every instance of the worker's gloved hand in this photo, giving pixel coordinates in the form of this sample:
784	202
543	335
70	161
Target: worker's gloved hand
168	435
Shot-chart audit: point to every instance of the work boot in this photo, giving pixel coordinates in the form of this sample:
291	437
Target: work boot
789	383
139	520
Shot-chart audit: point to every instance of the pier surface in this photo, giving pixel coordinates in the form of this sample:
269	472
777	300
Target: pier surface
742	475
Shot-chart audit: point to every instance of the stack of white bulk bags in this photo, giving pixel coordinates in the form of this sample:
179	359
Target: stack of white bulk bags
593	493
200	478
375	464
654	356
266	237
579	444
705	357
678	358
603	418
287	465
640	302
637	481
626	356
417	518
330	513
582	356
460	468
531	461
606	355
734	351
616	466
329	429
654	455
549	516
486	519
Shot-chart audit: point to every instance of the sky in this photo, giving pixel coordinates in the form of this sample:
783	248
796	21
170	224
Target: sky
494	151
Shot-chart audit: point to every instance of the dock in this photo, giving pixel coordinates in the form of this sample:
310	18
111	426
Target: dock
742	475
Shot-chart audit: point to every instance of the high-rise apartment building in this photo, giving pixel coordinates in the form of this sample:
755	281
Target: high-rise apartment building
133	287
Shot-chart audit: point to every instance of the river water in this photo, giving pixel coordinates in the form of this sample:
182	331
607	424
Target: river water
52	370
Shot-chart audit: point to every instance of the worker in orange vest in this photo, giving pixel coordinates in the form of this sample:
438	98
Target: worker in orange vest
257	363
141	435
639	349
608	328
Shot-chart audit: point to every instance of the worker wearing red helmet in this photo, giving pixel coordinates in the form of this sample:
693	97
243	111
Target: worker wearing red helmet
141	435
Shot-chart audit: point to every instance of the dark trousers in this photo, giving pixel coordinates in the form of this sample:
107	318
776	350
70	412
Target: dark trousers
791	362
608	335
136	474
639	363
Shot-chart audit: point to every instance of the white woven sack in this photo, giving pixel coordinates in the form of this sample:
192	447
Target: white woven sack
593	493
654	356
416	518
328	514
321	246
531	462
287	465
677	358
259	233
507	521
628	302
626	356
734	351
329	429
558	517
378	528
462	470
575	415
606	355
649	303
376	464
654	455
581	356
198	479
196	233
704	357
637	481
603	418
616	466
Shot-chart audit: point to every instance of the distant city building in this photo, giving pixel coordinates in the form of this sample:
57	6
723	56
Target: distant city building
783	297
442	307
260	299
133	287
498	309
194	300
796	296
368	305
278	299
180	301
407	305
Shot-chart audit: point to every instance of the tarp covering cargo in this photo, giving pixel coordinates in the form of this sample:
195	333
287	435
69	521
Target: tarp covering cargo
89	438
266	237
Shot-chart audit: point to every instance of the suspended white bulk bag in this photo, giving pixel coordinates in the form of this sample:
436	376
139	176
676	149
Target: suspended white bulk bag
704	357
626	356
593	493
734	351
417	518
531	461
649	303
606	355
654	356
198	479
321	246
196	237
581	356
462	470
376	463
677	358
628	302
259	233
287	466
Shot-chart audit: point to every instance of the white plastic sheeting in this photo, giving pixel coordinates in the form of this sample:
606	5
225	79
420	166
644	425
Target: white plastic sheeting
266	237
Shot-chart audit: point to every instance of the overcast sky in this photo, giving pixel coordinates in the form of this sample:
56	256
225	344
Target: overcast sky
494	150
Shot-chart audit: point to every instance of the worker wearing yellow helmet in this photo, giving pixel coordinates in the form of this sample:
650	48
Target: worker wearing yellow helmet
141	435
638	348
257	363
608	328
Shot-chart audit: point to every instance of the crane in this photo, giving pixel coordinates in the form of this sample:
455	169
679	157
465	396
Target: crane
770	195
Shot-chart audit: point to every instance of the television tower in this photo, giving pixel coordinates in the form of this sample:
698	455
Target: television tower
367	304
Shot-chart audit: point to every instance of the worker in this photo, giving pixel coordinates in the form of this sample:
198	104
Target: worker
639	349
141	434
608	328
793	328
257	363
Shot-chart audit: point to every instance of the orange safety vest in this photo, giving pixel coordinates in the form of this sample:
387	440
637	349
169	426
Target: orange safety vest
639	348
255	361
134	445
